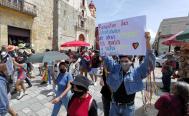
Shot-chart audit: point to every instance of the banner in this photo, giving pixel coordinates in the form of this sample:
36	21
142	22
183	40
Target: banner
123	37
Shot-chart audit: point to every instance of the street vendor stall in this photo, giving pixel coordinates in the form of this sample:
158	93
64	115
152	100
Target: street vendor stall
184	55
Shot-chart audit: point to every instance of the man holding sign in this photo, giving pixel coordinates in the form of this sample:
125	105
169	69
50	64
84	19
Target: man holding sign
125	81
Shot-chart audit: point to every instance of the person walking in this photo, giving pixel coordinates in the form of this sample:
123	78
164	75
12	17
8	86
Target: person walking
81	103
84	64
95	65
168	69
21	69
45	74
124	80
63	93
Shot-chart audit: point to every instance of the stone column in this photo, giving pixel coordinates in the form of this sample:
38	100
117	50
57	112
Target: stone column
3	34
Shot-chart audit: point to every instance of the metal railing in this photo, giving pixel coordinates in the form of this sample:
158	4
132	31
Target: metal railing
24	7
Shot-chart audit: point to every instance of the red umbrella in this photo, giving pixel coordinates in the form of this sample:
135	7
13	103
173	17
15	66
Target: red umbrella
172	41
75	44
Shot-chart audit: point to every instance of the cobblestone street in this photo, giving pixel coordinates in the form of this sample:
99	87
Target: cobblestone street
36	103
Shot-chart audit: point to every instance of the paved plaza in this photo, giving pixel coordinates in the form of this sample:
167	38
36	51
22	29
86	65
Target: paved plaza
36	103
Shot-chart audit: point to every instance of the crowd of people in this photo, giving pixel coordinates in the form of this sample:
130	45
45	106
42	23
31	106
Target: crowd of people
120	81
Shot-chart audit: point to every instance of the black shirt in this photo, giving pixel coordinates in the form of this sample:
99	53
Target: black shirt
121	96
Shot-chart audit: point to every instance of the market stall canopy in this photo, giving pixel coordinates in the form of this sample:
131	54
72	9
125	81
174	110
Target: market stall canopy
75	44
183	36
172	40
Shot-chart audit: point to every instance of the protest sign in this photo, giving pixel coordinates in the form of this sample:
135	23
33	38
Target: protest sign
123	37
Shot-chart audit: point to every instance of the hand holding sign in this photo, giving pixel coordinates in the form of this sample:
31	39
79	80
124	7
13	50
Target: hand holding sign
148	37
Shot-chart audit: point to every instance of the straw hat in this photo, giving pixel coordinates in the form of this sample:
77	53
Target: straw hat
11	48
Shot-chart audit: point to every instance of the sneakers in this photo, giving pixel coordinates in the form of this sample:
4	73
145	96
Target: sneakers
51	94
20	96
95	83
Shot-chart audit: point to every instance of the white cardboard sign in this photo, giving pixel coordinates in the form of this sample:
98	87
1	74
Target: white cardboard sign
123	37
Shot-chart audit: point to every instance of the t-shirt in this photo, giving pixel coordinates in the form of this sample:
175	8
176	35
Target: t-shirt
62	81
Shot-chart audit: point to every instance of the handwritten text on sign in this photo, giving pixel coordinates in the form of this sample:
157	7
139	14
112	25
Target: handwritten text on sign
123	37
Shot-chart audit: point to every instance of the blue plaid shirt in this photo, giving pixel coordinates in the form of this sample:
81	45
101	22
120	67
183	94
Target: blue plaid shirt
133	80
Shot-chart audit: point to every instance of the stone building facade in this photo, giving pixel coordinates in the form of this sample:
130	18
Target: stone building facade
168	28
27	21
46	23
75	21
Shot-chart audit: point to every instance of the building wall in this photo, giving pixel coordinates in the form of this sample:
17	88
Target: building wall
41	26
167	28
12	18
69	17
54	24
3	34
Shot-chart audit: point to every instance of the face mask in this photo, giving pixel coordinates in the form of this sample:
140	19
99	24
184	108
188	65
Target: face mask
62	70
78	93
125	66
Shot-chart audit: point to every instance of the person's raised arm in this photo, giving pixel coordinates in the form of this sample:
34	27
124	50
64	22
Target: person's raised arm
149	61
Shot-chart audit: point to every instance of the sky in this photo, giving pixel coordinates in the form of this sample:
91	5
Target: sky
155	10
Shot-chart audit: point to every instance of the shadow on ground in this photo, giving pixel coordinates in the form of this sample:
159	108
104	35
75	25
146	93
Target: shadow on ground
45	92
149	110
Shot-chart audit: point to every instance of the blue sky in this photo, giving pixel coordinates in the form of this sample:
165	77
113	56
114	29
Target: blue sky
155	10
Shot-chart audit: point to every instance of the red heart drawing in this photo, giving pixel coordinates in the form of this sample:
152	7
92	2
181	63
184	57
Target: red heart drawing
135	45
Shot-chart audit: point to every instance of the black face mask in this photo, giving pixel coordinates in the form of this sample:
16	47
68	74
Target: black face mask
62	70
78	93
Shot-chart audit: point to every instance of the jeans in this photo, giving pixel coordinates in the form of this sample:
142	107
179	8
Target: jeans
64	102
166	79
121	110
4	103
106	106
